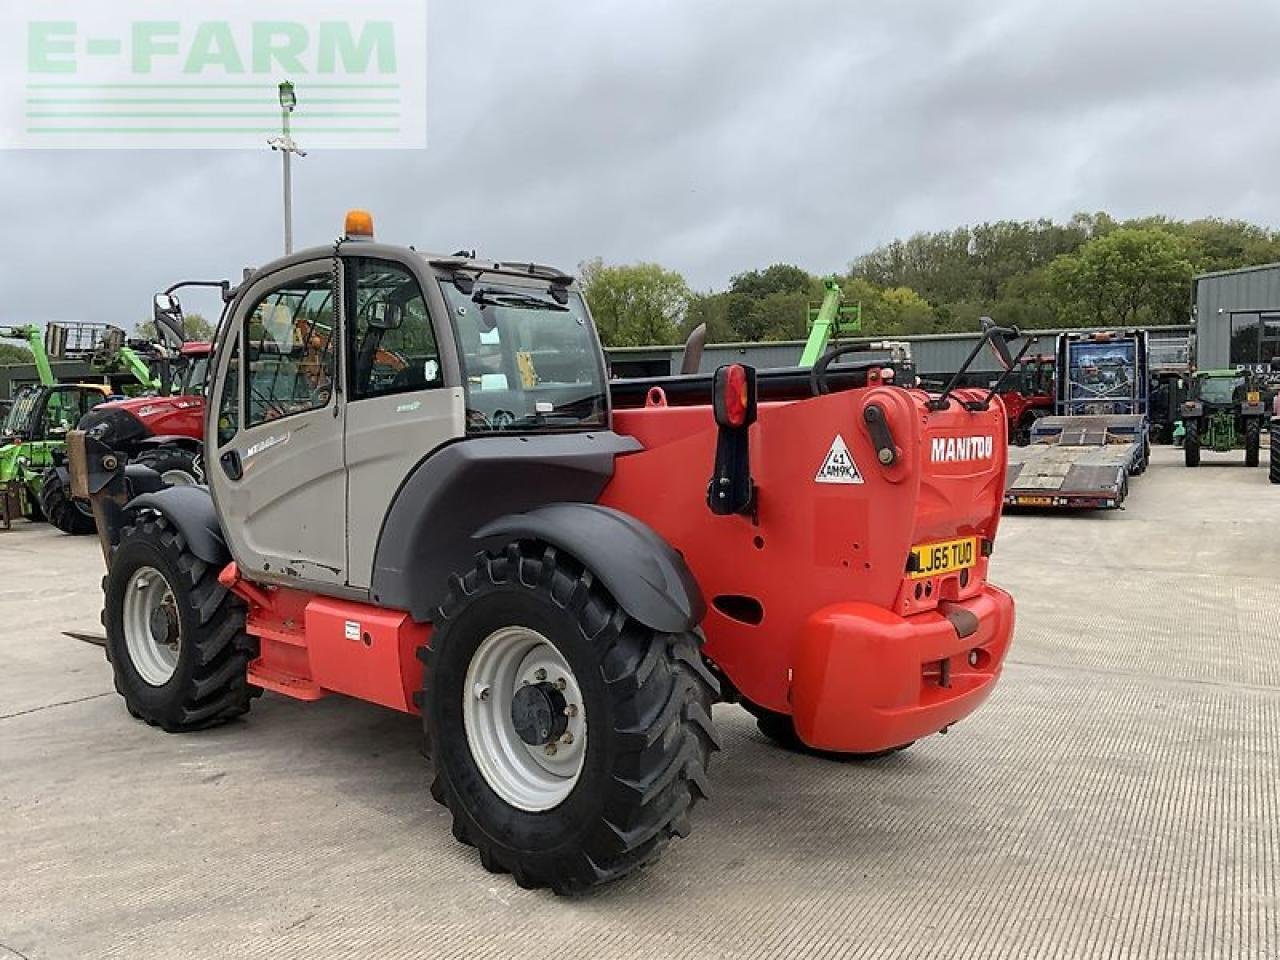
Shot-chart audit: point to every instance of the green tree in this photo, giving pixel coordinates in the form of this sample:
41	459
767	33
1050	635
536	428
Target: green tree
635	305
194	325
14	353
1127	276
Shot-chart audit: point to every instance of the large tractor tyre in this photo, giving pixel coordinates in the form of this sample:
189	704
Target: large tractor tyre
1273	467
176	465
175	635
780	728
1252	444
1191	445
570	742
67	514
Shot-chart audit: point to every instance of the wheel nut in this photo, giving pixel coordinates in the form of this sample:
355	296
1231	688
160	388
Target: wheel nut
567	738
540	675
481	691
551	750
561	683
571	710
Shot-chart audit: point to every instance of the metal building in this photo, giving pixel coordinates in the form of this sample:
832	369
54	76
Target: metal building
1238	317
935	354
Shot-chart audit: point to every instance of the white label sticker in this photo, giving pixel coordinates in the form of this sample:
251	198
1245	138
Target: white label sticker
838	467
353	630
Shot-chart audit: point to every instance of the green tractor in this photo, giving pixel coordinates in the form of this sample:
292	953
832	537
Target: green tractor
34	429
1225	409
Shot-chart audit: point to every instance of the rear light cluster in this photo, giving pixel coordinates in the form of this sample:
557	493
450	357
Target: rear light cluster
733	398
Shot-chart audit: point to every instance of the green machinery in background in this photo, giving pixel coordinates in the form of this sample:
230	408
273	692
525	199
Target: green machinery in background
33	431
828	322
1225	410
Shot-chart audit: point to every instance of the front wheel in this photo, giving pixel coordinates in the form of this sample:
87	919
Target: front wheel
1252	444
67	514
175	635
570	742
176	465
1191	445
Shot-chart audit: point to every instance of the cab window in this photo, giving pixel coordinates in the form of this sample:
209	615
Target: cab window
393	348
290	343
228	408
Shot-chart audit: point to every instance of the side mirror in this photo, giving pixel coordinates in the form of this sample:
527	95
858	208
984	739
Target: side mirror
385	316
999	339
167	313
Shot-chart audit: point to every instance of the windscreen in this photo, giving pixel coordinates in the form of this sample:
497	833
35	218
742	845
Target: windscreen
1102	371
18	422
529	363
1220	389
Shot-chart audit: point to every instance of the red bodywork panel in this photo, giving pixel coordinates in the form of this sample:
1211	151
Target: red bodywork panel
167	416
811	609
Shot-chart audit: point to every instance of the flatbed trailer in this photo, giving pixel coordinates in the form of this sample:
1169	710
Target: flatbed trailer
1083	456
1079	462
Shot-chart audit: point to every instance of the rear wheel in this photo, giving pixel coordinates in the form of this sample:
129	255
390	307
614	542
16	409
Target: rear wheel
175	635
67	514
781	729
1191	444
570	742
176	465
1252	444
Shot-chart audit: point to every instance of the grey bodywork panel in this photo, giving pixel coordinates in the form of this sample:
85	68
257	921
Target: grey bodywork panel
190	509
1086	456
460	488
643	572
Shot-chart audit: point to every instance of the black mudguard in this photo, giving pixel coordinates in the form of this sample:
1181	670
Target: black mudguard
645	574
429	531
190	510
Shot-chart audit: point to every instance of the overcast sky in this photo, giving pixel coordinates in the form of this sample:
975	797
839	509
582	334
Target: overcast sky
711	137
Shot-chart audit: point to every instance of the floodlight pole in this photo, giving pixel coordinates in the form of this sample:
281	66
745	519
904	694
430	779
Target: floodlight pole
287	147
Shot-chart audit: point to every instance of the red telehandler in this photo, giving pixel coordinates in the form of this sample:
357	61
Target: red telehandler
559	574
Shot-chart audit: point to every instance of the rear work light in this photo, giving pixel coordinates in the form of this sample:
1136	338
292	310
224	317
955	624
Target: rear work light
734	396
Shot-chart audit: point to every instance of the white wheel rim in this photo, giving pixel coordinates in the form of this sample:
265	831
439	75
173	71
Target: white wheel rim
178	478
529	777
146	594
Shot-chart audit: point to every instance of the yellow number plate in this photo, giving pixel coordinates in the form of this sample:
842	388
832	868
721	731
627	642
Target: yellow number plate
932	559
1035	501
1253	396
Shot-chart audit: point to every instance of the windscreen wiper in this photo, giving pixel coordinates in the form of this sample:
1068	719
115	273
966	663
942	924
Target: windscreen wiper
520	301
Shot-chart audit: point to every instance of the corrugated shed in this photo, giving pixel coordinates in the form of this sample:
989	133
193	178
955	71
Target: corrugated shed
1218	295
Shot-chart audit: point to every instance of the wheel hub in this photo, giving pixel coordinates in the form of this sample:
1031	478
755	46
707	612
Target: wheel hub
164	625
538	714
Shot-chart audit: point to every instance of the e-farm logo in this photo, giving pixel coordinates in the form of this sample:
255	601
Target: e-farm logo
169	74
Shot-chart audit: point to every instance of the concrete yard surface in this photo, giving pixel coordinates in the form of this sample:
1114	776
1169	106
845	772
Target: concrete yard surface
1119	795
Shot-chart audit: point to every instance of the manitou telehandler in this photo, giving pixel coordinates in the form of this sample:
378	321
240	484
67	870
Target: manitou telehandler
561	575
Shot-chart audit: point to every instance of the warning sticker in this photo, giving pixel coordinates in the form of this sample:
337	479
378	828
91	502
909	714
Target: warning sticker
838	467
352	630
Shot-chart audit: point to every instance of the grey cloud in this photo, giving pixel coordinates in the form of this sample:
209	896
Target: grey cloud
709	136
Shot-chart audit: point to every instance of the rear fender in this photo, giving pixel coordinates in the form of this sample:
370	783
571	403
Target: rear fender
644	573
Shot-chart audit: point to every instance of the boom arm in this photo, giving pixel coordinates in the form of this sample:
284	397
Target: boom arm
139	368
31	333
827	323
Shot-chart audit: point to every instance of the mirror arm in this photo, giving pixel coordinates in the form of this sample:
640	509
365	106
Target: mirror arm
943	401
1004	377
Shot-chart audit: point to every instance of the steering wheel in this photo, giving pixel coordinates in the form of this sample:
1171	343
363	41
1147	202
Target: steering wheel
502	419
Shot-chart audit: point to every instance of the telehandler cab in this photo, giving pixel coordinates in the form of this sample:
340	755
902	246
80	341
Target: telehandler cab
560	574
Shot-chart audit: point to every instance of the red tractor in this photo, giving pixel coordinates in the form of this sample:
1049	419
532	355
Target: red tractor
560	575
1029	397
162	432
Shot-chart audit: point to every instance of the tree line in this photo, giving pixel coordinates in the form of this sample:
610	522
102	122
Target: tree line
1092	270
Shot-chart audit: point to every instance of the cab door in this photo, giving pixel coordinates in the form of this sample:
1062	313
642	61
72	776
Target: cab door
278	474
399	408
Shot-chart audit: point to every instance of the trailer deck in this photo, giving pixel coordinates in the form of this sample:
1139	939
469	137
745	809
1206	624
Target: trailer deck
1076	462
